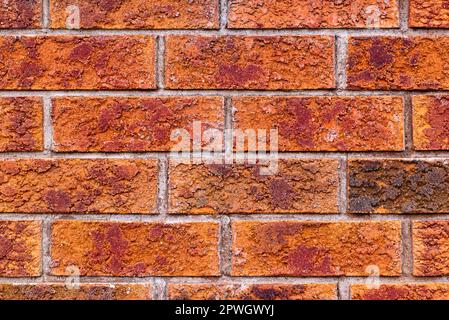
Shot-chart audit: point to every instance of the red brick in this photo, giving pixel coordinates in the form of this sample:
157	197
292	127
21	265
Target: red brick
130	124
135	249
424	291
325	123
20	14
77	62
61	291
20	249
398	63
429	14
240	62
250	291
78	186
299	186
21	125
295	248
278	14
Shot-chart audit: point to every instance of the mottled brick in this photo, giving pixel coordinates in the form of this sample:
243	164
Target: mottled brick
298	186
278	14
430	248
398	186
424	291
61	291
325	123
131	124
20	249
77	62
431	122
250	291
247	62
78	185
298	248
21	124
398	63
135	249
429	14
20	14
136	14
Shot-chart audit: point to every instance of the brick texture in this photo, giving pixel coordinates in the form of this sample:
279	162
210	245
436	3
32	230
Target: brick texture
20	14
427	291
429	14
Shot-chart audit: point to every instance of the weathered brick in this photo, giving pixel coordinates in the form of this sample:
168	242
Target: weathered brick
430	248
229	291
297	248
429	14
398	186
77	62
61	291
135	249
20	249
135	14
78	185
20	14
424	291
21	124
325	123
299	186
240	62
398	63
431	122
278	14
130	124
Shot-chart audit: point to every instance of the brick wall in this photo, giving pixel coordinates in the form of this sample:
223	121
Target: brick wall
94	205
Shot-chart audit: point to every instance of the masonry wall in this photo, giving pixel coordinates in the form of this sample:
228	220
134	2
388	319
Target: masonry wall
92	91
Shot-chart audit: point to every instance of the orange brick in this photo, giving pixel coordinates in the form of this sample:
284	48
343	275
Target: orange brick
77	62
277	14
78	185
398	63
130	124
21	125
430	122
425	291
136	14
325	123
295	248
134	249
240	62
20	14
430	248
299	186
429	14
61	291
20	249
250	291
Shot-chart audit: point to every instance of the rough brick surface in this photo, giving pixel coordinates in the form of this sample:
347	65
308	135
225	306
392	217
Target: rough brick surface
431	122
429	14
294	248
430	248
20	249
279	14
136	14
78	186
20	14
398	186
398	63
81	62
425	291
135	249
240	62
299	186
228	291
21	124
325	123
61	291
131	124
